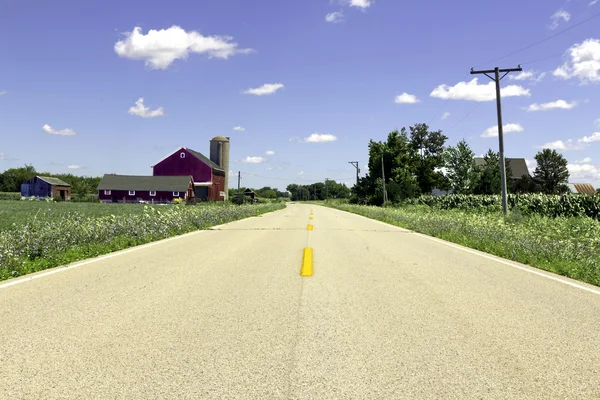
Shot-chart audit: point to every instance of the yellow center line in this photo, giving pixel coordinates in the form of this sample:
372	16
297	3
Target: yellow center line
309	227
310	218
307	262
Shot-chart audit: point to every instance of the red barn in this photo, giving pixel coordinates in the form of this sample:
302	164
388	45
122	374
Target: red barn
152	189
208	177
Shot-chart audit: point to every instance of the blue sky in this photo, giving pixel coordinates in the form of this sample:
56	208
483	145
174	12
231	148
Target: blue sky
71	73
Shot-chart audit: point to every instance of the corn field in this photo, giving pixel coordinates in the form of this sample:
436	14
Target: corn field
546	205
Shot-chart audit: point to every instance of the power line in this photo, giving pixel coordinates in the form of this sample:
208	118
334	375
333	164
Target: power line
466	115
541	41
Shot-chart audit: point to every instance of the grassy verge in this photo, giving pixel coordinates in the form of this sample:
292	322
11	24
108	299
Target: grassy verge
44	242
566	246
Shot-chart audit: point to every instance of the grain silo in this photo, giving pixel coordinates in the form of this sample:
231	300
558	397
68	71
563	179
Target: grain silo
219	154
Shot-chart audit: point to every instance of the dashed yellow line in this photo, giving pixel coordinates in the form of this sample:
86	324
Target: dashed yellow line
307	262
310	218
309	227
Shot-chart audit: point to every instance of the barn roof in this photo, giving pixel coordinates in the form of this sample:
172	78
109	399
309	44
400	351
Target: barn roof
204	159
136	182
581	188
53	181
518	166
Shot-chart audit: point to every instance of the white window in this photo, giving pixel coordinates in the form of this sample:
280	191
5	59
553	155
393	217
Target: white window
107	192
182	155
175	194
152	193
132	192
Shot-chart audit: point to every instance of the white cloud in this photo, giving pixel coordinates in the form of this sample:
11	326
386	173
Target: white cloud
597	122
270	152
584	63
446	115
584	161
159	48
239	129
583	171
552	105
3	92
268	88
527	76
531	165
75	167
589	139
593	2
475	92
301	173
1	156
359	3
63	132
253	160
508	128
562	145
335	17
406	98
232	174
142	111
559	17
320	138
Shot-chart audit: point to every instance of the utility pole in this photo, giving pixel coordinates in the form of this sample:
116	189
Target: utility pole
326	191
239	179
355	163
497	78
383	176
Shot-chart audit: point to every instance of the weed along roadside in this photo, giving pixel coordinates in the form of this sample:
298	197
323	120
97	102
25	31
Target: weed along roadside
35	244
566	246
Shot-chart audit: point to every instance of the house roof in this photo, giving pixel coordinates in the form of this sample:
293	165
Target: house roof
54	181
582	188
518	166
136	182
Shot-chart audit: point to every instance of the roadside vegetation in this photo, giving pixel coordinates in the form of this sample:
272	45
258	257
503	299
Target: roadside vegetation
42	235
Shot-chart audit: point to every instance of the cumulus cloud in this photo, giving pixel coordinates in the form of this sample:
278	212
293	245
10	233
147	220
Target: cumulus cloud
561	104
559	17
253	160
593	2
531	165
301	173
527	76
75	167
584	62
476	92
562	145
3	92
445	115
266	89
508	128
406	98
583	171
597	122
335	17
363	4
270	152
63	132
160	48
239	129
320	138
589	139
584	161
140	110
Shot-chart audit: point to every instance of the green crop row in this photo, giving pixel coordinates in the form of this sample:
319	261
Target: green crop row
546	205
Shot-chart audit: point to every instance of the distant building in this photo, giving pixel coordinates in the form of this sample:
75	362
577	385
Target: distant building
152	189
581	188
43	187
518	167
250	193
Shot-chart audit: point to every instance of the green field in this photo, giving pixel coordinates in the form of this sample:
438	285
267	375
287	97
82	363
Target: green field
36	235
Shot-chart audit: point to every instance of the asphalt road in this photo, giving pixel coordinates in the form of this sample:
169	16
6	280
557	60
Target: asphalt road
225	314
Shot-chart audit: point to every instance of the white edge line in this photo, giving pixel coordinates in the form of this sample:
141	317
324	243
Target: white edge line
484	255
56	270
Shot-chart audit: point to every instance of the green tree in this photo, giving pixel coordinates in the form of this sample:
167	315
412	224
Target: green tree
427	156
551	171
489	181
462	171
11	179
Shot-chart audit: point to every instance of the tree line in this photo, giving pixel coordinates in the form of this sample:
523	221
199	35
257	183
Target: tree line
415	161
319	191
81	186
